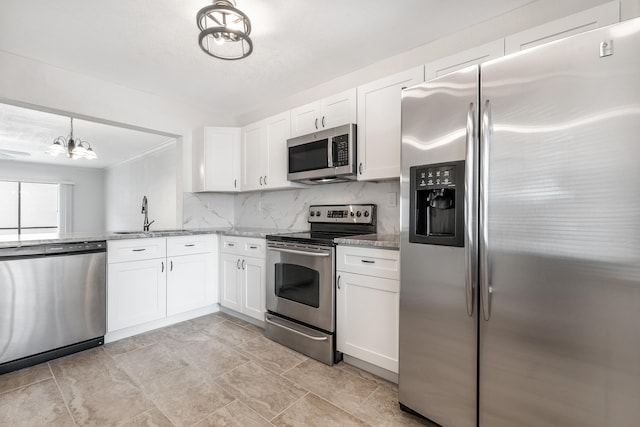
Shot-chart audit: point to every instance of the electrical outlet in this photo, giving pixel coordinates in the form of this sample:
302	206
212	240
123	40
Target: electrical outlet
392	199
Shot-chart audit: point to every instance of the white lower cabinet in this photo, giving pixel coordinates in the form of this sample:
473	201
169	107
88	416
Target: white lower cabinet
367	305
153	282
243	275
137	293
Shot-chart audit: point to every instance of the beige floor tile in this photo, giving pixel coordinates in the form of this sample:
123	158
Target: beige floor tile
204	321
129	344
23	377
382	409
230	333
149	362
233	319
272	355
185	397
363	374
335	385
314	411
151	418
235	414
38	404
212	357
97	391
263	391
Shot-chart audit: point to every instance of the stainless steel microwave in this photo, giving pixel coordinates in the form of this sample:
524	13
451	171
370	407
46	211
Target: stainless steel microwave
324	156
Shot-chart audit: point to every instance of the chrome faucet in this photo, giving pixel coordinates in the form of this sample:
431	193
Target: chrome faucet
145	211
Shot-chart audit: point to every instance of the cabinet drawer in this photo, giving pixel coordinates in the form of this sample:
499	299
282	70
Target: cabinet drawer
371	262
244	246
136	249
189	245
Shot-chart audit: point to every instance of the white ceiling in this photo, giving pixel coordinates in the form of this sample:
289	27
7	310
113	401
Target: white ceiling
298	44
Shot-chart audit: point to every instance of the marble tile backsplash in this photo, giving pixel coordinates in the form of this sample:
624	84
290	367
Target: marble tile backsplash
287	209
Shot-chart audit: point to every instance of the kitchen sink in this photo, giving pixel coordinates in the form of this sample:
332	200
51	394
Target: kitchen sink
151	232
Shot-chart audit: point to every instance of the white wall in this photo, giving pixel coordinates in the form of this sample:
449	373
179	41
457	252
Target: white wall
154	175
88	189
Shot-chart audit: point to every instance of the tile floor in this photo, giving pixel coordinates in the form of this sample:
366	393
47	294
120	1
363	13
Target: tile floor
215	370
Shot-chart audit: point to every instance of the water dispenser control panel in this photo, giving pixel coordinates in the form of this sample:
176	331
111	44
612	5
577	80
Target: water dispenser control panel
437	204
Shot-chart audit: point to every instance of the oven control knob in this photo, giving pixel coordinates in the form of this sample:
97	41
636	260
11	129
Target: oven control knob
358	214
366	214
317	213
313	213
353	213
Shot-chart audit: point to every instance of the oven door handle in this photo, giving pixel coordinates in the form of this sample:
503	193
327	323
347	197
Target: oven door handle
268	320
292	251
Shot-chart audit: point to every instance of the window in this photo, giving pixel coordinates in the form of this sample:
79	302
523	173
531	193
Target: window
29	207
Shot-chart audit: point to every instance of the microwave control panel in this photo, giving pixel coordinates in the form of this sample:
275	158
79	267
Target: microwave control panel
340	150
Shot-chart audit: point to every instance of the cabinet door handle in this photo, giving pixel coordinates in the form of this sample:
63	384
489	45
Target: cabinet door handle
243	264
139	250
260	181
360	168
235	182
368	261
265	180
238	264
171	265
316	123
338	282
322	121
162	267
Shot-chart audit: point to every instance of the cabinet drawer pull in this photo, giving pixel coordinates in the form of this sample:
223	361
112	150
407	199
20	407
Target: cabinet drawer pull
231	245
253	247
190	245
139	250
366	261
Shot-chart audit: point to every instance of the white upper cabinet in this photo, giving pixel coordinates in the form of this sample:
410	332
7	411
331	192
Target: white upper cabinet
216	159
264	154
464	59
599	16
329	112
379	105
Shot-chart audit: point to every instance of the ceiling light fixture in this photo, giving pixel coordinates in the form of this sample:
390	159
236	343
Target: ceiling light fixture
224	30
73	148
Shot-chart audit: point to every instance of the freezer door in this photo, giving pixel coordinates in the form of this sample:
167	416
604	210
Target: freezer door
560	245
438	322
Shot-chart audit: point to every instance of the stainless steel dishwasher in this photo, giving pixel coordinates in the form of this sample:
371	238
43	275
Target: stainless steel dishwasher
52	301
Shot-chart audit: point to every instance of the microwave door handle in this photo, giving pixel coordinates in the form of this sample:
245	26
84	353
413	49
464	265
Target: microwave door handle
330	153
292	251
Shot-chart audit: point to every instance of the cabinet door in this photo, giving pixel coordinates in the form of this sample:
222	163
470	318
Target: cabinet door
190	283
278	129
379	125
599	16
230	290
338	110
464	59
253	282
216	159
254	155
137	293
367	318
305	119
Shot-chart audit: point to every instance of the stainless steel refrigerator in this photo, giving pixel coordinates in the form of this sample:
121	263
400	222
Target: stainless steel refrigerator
520	238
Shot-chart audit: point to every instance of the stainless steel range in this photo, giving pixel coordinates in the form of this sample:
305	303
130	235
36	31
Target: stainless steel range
301	303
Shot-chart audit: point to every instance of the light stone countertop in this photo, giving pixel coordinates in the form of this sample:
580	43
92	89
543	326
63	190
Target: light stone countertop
382	241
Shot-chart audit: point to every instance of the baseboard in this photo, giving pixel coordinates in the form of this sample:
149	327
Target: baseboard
373	369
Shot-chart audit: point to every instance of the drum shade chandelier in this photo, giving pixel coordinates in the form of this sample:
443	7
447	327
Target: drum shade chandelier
224	31
73	148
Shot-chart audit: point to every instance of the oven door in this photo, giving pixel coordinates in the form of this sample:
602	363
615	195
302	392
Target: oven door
301	283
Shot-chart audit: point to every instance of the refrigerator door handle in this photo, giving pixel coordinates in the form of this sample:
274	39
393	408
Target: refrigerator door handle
485	279
470	235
